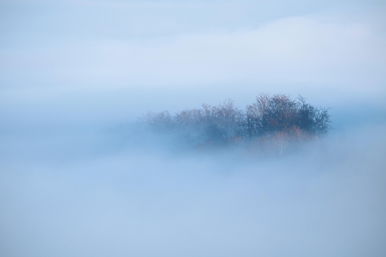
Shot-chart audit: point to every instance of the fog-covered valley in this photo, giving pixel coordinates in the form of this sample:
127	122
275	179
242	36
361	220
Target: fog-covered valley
81	175
83	188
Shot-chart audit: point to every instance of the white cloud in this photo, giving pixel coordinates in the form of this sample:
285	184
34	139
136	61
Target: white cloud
233	50
318	51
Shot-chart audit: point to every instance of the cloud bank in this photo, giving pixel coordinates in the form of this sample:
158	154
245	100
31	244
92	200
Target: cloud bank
65	199
317	50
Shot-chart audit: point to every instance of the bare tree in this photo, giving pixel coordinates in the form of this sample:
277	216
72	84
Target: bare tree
224	124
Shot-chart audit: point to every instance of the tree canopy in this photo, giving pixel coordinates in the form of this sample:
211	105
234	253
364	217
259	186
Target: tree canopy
226	124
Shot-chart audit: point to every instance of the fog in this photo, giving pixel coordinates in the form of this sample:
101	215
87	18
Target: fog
87	188
81	177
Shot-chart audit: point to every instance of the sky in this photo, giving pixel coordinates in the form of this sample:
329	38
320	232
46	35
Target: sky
194	51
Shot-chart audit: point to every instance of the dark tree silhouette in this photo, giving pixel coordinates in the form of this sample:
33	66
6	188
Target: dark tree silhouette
226	124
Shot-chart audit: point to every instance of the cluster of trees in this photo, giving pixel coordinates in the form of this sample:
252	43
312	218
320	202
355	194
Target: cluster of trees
268	116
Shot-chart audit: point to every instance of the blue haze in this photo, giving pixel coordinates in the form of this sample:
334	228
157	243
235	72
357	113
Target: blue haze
74	74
